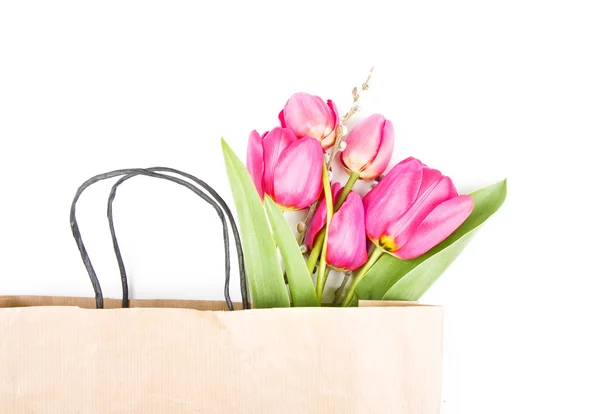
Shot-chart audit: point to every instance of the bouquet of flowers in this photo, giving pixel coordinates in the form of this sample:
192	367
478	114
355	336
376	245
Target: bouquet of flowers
391	244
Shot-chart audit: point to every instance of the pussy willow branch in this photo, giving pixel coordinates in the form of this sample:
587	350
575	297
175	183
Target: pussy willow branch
339	134
303	224
340	290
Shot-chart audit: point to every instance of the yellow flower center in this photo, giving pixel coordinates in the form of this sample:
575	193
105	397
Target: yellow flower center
387	243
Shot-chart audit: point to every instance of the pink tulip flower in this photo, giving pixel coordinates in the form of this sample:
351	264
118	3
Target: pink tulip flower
413	209
369	147
309	116
286	168
346	247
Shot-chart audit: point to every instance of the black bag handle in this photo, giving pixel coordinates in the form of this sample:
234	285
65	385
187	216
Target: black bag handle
217	203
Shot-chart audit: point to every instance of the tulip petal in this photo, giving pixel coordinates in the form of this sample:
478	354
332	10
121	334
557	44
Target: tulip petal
437	226
363	142
304	114
384	154
392	197
282	119
405	226
346	248
316	224
431	177
329	139
274	143
333	112
297	179
254	161
320	120
320	217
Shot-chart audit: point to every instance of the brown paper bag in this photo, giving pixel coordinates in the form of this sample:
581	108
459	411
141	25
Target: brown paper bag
60	355
65	359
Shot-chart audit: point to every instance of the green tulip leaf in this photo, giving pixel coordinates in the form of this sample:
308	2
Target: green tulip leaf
263	271
301	285
395	279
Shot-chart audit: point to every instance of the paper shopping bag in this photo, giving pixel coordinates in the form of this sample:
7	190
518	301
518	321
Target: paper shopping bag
66	359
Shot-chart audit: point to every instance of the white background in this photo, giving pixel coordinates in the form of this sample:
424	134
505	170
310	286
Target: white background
480	90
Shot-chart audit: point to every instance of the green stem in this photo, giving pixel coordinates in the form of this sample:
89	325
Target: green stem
315	252
323	280
375	255
320	238
346	190
329	203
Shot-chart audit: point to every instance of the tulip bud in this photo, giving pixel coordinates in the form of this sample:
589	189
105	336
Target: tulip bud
369	147
286	168
346	247
413	209
310	116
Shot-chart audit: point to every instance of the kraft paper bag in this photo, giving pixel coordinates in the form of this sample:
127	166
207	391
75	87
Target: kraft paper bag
67	359
67	355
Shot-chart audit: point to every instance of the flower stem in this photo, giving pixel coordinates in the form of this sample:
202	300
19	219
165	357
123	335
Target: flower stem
315	252
329	203
346	190
323	280
375	255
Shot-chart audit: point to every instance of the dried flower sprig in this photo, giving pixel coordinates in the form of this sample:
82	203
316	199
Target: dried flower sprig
342	129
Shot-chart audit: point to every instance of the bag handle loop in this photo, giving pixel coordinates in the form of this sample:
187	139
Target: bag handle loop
216	202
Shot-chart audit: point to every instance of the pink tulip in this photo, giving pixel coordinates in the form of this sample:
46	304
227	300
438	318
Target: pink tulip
286	168
346	247
309	116
369	147
413	209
